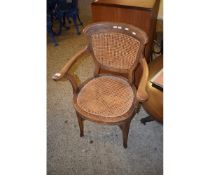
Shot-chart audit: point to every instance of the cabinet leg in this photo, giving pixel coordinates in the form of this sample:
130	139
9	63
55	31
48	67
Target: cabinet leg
146	119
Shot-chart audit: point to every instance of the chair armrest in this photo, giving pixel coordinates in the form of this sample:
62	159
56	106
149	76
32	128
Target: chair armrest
68	65
142	94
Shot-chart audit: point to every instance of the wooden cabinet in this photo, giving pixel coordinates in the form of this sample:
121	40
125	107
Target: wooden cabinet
154	105
140	13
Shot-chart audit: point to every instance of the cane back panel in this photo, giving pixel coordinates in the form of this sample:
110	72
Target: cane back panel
115	45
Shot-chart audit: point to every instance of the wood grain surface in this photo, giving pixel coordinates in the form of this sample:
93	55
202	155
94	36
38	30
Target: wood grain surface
154	104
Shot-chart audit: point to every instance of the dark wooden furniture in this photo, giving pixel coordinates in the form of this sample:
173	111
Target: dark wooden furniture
109	98
140	13
154	104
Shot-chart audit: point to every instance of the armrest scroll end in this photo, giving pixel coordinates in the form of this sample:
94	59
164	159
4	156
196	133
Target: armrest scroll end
56	76
142	96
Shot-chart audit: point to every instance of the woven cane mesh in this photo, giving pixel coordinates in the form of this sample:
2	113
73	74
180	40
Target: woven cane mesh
115	50
106	96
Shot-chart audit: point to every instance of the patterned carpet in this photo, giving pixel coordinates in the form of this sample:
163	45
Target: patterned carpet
100	151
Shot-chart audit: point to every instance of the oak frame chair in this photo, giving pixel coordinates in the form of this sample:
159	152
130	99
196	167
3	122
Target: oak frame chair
110	98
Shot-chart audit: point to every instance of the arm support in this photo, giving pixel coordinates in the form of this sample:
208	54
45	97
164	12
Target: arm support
64	70
142	94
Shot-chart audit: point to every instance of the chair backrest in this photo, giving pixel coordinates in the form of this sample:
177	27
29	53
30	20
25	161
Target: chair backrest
67	4
74	4
51	4
64	5
116	47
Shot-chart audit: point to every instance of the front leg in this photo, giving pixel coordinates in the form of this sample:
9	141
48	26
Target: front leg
125	131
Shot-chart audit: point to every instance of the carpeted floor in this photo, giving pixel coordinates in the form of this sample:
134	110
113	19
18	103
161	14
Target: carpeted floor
100	151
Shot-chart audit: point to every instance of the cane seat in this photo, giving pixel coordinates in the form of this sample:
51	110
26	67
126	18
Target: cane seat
106	98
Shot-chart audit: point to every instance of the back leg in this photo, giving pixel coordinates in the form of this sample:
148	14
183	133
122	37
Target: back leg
81	124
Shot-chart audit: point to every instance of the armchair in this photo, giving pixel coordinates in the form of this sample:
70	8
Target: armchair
110	98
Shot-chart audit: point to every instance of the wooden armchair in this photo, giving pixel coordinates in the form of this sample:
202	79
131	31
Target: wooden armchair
110	98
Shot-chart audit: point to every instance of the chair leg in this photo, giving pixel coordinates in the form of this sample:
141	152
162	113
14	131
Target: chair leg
138	107
146	119
52	37
81	124
69	20
60	27
64	23
75	24
125	130
81	23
